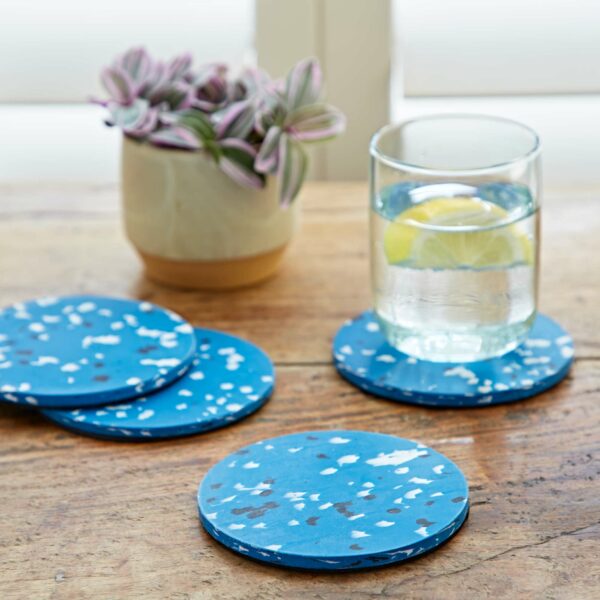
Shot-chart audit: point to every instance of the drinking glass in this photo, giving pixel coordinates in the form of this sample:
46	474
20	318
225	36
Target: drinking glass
454	225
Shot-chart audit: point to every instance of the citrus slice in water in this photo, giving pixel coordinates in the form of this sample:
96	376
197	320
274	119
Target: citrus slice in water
439	234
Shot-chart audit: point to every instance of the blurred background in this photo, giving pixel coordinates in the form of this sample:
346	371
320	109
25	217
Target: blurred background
384	60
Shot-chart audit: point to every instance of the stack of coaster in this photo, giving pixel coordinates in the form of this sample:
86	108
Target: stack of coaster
126	369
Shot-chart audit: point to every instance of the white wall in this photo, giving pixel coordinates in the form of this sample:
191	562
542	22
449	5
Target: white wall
485	47
53	50
57	142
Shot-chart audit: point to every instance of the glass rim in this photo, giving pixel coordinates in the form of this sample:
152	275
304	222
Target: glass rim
391	161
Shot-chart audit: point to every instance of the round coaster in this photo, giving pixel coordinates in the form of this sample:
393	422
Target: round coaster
333	500
85	350
363	356
229	379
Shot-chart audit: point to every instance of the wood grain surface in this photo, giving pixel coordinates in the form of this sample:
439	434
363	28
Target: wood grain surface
89	519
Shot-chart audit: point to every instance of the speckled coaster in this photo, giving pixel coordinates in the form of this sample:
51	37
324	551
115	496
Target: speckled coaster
333	500
88	350
229	379
363	357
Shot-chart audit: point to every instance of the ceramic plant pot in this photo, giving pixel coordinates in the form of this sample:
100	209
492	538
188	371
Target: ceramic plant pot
194	227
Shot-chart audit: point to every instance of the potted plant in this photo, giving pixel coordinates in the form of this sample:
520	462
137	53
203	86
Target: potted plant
211	164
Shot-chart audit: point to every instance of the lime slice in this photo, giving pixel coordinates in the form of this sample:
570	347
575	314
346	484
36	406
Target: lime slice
496	245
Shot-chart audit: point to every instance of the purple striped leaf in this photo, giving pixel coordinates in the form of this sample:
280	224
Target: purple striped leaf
175	137
237	120
177	95
240	174
144	126
293	163
240	145
98	101
206	106
249	83
315	122
303	84
269	112
212	88
199	123
118	84
156	79
179	67
210	70
169	118
136	120
237	161
136	63
267	159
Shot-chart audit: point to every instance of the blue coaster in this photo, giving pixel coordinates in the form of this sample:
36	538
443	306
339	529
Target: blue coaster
363	357
229	379
85	350
333	500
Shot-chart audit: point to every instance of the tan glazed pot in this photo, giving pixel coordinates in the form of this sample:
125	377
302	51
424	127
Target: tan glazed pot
194	227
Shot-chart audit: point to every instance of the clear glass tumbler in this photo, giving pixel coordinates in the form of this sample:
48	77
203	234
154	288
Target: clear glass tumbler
454	235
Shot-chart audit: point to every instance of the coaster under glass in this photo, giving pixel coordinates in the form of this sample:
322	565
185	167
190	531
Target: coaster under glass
363	356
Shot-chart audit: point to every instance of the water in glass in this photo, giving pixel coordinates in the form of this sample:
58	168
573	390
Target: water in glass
454	267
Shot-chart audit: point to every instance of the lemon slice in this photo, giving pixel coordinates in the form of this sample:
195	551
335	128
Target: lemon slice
496	245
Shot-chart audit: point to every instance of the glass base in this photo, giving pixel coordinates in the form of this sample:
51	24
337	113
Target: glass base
457	346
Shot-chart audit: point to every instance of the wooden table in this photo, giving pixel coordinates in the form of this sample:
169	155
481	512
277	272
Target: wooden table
83	518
